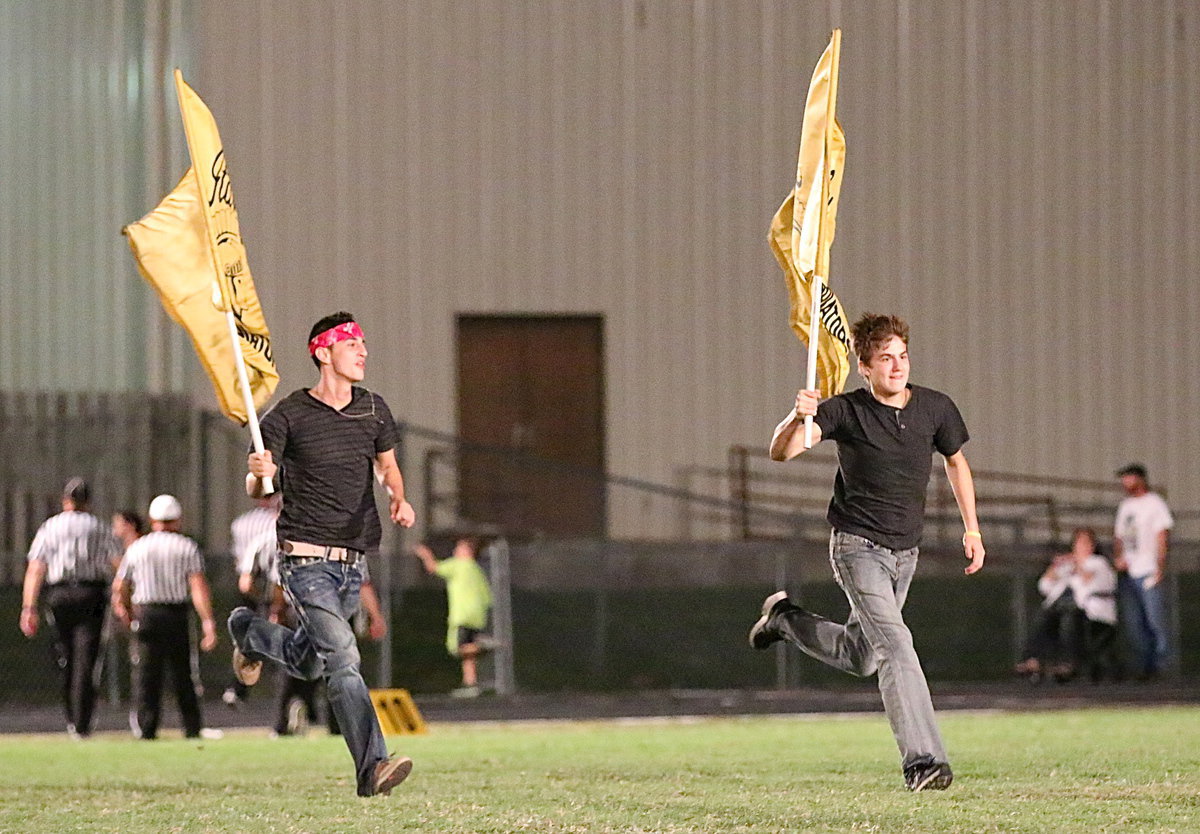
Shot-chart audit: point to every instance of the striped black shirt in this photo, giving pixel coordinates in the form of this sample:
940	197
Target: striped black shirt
327	460
76	547
158	566
245	533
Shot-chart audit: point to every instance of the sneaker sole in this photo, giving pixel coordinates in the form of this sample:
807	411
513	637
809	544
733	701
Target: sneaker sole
935	780
756	630
245	670
396	772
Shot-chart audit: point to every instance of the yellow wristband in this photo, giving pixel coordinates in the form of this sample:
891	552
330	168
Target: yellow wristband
974	533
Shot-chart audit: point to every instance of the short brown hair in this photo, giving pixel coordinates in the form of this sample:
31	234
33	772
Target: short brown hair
869	333
1084	531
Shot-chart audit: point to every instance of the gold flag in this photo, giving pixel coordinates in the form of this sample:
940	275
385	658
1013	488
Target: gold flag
190	250
802	230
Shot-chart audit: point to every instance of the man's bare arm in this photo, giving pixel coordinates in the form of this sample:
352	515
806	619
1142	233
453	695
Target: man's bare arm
260	466
35	575
788	440
388	473
958	472
202	602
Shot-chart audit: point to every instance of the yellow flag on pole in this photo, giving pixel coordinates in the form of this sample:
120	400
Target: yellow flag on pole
803	228
190	250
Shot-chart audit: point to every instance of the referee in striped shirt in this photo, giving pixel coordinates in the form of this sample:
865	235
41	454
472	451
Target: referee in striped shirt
159	574
73	555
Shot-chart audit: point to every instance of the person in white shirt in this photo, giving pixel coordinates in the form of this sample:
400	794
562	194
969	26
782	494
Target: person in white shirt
1141	537
1079	613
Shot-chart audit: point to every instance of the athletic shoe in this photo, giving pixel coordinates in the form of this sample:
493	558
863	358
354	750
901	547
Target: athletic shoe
466	692
935	776
762	634
297	717
211	733
245	669
391	772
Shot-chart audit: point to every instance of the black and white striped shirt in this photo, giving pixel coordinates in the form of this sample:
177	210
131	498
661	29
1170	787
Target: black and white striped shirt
158	566
246	532
76	547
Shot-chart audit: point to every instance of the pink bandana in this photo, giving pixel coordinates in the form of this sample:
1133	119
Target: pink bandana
349	330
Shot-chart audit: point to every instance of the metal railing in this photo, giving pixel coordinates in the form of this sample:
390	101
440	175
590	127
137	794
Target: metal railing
1026	513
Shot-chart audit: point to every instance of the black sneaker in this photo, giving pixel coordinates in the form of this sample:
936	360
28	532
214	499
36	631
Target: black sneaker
936	776
762	634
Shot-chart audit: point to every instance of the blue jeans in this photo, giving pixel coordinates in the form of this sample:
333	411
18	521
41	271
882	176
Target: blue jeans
874	639
1144	614
325	596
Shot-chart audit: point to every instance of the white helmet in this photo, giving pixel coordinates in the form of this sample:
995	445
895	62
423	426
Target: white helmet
165	508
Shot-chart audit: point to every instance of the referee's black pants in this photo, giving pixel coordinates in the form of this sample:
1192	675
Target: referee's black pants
78	612
165	644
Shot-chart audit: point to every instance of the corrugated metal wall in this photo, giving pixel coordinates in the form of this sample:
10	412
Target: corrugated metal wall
1022	185
84	149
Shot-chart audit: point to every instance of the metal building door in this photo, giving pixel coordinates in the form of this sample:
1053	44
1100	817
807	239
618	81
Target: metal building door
531	408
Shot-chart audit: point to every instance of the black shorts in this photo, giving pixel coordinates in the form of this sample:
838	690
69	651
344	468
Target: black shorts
466	636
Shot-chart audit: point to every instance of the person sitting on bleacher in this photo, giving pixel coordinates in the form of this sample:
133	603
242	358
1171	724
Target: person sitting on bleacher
1077	627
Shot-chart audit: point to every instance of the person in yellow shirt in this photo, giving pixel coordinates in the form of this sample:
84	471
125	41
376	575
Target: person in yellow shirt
469	598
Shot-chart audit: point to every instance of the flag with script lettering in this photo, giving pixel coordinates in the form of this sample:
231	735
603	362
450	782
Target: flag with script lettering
802	230
190	250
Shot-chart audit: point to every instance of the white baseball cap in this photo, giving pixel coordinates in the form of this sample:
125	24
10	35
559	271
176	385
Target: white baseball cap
165	508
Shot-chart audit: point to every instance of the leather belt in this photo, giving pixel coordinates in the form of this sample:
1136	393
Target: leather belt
306	551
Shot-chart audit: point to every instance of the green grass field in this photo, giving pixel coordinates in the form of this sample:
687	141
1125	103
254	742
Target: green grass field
1091	771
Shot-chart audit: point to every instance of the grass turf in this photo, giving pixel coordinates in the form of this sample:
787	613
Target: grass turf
1086	771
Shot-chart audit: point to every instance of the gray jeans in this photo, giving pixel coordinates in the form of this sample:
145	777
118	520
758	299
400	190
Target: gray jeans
874	639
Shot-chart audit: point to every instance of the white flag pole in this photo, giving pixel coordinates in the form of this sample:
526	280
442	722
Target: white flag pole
814	334
239	361
821	263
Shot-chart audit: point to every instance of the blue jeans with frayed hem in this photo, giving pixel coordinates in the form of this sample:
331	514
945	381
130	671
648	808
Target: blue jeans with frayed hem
325	596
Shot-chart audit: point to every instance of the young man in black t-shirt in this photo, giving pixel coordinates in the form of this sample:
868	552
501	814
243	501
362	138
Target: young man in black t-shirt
885	435
327	444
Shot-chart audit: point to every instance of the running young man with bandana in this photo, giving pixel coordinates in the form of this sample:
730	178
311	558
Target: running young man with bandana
327	444
886	434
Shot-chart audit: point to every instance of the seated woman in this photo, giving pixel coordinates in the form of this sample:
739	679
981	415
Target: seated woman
1079	614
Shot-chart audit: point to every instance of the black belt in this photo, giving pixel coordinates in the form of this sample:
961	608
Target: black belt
78	583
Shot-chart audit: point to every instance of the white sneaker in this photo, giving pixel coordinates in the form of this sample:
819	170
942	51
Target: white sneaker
211	733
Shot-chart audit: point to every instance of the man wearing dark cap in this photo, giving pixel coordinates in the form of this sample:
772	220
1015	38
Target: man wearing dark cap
327	444
1140	539
73	556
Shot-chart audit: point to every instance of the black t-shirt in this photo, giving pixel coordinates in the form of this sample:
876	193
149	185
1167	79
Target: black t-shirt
327	466
885	456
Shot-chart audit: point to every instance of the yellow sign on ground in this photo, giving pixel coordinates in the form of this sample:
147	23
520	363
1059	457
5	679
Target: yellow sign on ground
398	715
